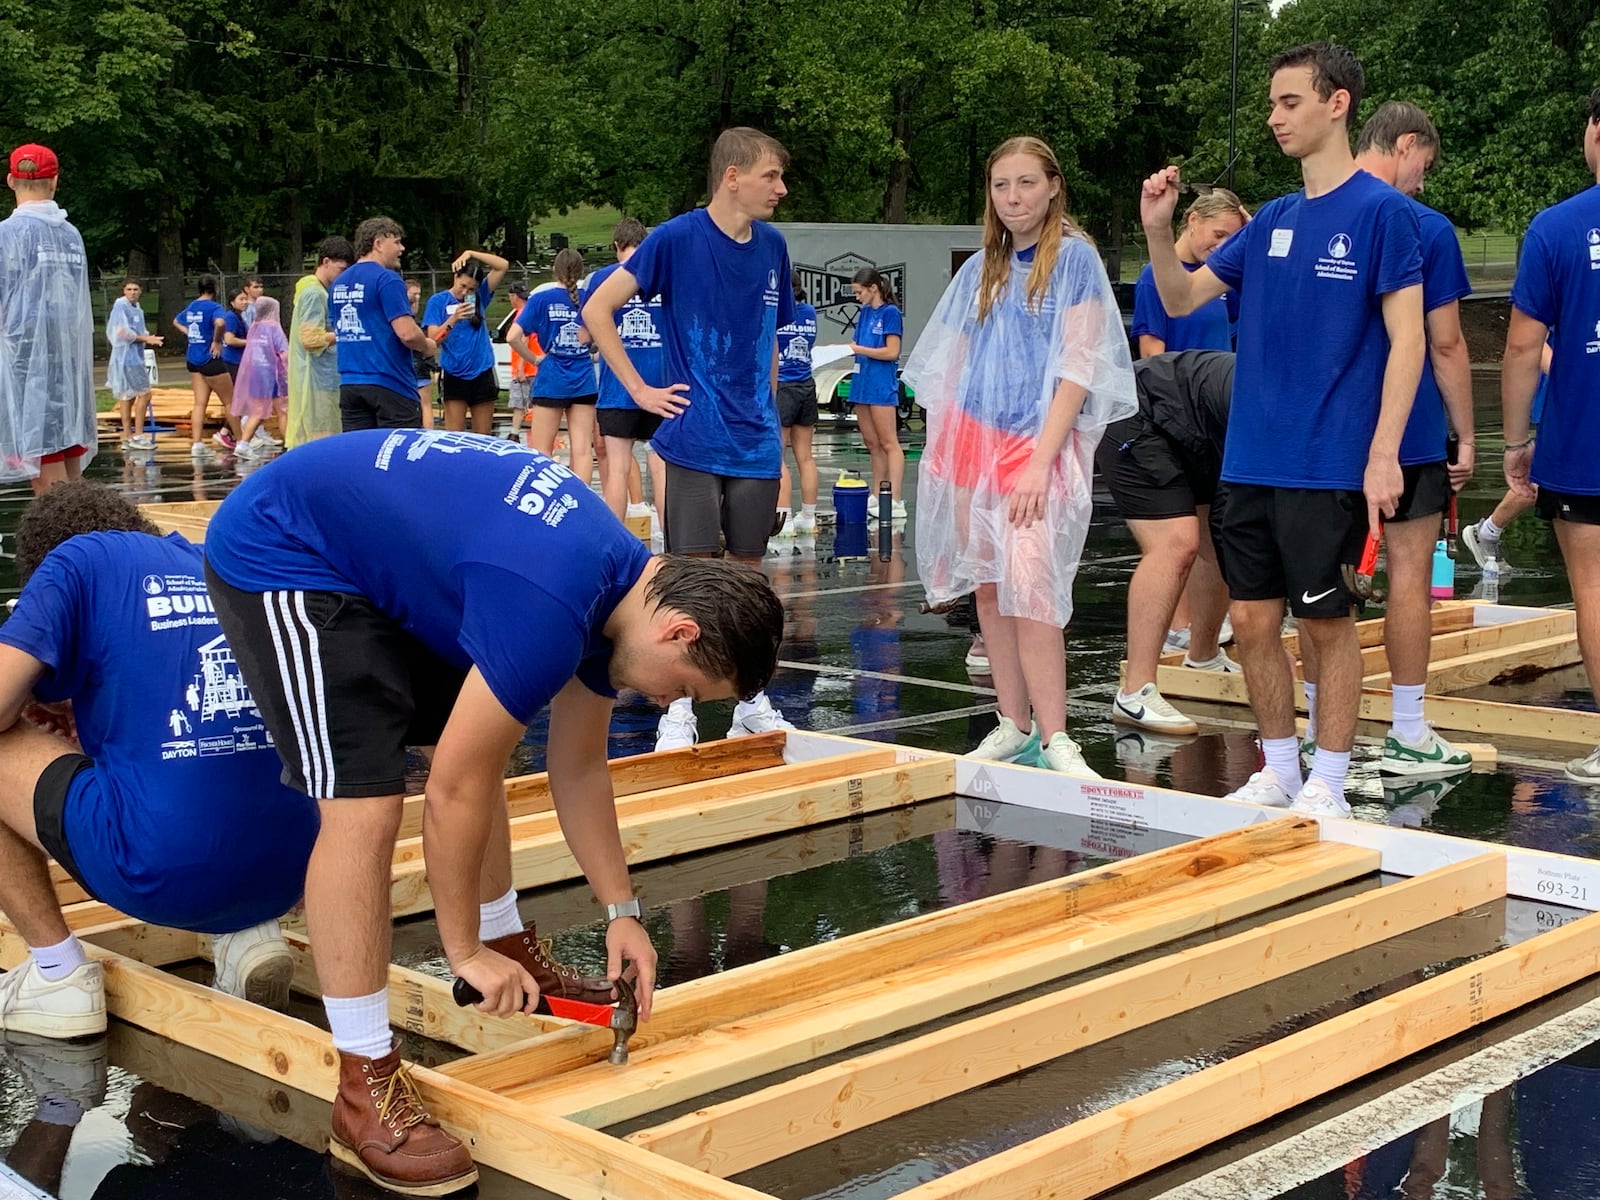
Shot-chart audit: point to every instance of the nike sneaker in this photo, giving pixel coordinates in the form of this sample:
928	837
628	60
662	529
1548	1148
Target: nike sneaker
1432	756
1148	709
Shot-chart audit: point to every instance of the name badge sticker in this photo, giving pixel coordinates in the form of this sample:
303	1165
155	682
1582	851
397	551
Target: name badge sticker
1282	239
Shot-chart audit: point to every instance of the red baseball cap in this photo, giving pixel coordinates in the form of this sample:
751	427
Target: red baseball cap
34	161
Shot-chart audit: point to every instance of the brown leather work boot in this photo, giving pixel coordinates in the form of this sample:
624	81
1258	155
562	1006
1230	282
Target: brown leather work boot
554	978
381	1128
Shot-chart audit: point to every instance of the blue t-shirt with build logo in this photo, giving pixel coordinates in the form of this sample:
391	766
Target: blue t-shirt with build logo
359	513
467	351
1444	280
1311	276
552	315
361	304
876	379
184	820
794	345
724	301
639	327
199	321
1558	285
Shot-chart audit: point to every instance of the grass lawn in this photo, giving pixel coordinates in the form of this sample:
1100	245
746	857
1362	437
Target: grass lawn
584	225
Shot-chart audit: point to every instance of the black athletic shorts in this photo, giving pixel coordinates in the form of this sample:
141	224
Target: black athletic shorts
1427	492
632	423
1290	543
797	402
368	406
342	687
705	511
233	370
211	366
1149	475
1568	506
480	389
50	809
562	401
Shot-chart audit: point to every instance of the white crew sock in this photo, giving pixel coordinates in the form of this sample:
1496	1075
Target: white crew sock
1311	711
1331	766
499	918
1488	530
1283	756
1408	723
360	1024
683	706
809	510
57	962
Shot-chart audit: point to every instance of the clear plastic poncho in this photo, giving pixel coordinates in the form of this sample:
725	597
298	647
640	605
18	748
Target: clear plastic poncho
313	368
126	374
262	386
987	387
46	341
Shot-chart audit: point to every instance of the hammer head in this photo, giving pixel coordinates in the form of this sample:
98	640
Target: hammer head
624	1021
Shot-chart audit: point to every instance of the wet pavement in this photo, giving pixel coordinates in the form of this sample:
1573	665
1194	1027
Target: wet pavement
137	1117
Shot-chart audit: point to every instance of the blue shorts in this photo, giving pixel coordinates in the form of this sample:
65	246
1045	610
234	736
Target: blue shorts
202	863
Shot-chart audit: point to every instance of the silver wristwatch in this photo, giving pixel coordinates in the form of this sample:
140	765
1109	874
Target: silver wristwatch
628	908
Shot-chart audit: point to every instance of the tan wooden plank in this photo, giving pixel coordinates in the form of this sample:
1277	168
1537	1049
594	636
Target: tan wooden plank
879	1004
700	1004
693	826
789	777
739	1134
1111	1147
1565	725
1500	663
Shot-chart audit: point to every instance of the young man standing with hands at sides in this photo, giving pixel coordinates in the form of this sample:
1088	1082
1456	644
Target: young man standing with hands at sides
723	276
1313	452
377	333
361	631
1398	145
1557	294
313	359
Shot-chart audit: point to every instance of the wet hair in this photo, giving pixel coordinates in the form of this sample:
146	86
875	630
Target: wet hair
1391	122
472	269
740	619
335	249
742	147
1334	68
207	286
997	238
67	510
1220	203
255	279
1591	106
567	270
373	228
241	290
794	282
130	279
869	277
630	231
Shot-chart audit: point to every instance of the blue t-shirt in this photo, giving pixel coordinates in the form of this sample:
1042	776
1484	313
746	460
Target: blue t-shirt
567	370
639	326
200	319
466	352
794	345
233	322
361	303
1311	277
1444	279
1209	327
1558	285
876	379
725	301
359	513
184	820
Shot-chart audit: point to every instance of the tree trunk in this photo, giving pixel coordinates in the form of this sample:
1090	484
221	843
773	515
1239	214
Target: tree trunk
230	257
894	195
294	233
1114	246
515	246
174	289
976	184
138	264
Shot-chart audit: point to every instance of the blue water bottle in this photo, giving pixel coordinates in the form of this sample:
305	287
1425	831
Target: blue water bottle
1444	573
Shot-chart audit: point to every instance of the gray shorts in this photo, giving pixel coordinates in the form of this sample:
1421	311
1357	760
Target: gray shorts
521	390
703	511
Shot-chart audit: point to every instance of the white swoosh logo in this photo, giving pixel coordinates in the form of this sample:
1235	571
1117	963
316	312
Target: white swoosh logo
1308	598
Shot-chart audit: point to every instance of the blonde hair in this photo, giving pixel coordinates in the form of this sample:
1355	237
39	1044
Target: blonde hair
1220	203
997	245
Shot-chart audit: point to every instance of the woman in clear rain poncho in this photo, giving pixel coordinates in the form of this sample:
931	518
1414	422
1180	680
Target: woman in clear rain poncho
126	374
1020	368
261	388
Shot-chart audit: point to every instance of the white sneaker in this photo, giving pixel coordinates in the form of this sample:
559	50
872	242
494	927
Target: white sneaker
246	449
637	508
1005	742
1315	800
805	524
756	716
1265	788
1225	632
978	664
263	436
1176	640
1148	709
897	510
254	964
201	452
1481	548
1221	663
677	727
68	1008
1062	754
1585	770
787	531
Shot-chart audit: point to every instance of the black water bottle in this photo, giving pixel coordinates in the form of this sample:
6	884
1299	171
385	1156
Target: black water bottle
885	521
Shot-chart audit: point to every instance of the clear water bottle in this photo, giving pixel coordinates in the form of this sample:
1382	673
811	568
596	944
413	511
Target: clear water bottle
1491	579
